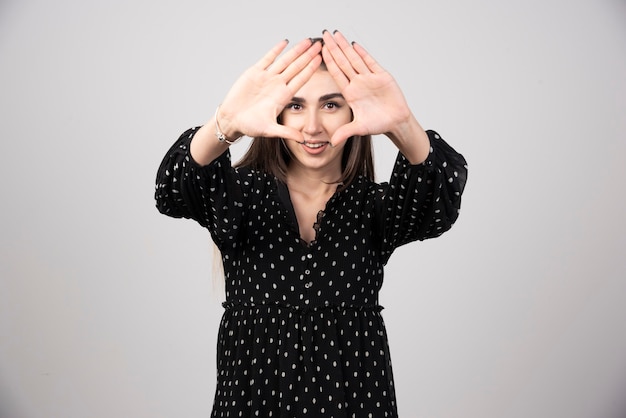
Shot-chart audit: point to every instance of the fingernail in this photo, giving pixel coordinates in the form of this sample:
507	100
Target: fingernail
335	31
313	40
325	30
353	42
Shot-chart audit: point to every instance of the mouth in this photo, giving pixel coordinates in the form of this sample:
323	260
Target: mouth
314	145
314	148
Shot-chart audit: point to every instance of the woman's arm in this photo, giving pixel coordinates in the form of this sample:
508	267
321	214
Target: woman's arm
422	201
411	140
205	147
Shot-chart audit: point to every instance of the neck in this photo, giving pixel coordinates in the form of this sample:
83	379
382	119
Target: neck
312	182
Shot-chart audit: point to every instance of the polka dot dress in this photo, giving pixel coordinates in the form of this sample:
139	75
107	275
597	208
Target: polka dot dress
302	332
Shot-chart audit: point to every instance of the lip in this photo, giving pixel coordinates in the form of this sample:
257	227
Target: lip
314	147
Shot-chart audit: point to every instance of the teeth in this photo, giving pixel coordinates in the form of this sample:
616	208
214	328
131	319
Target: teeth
317	145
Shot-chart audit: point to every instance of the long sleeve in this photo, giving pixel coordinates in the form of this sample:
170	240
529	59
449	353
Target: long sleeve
422	201
210	195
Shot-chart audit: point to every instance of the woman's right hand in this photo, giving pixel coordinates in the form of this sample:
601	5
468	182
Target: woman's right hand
261	93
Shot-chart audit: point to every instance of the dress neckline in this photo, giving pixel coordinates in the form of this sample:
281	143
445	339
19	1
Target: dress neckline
285	199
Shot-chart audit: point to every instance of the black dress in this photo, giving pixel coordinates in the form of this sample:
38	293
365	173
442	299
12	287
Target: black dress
302	332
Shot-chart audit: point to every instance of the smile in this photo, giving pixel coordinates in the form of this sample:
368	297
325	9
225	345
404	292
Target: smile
314	144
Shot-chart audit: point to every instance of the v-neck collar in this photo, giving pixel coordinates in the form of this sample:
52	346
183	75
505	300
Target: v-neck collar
285	199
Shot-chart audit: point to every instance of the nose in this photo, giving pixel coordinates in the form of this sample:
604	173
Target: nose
312	124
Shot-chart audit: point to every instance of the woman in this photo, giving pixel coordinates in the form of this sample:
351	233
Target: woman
303	229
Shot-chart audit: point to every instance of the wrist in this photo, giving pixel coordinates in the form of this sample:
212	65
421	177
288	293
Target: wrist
223	132
411	140
405	130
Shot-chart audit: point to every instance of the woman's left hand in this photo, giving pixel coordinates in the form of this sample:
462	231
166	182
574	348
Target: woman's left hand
378	105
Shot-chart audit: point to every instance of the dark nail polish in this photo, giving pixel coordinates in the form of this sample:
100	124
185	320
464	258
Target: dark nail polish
324	31
335	31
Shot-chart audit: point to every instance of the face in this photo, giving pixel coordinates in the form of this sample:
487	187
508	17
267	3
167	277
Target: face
317	110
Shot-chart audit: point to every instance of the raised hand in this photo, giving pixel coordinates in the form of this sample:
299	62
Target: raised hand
377	103
263	90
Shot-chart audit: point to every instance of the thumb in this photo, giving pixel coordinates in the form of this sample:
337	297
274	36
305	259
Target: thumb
286	132
344	132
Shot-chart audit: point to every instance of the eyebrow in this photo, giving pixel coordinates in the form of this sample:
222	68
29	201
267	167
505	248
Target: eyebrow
321	99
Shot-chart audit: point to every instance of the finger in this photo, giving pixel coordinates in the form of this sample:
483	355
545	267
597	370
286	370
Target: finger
338	56
304	74
334	70
286	132
272	54
344	132
371	63
303	61
279	65
355	59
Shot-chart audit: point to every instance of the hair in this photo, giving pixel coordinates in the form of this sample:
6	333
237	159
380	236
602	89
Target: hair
271	155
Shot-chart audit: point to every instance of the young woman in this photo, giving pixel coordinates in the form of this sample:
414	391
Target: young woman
303	229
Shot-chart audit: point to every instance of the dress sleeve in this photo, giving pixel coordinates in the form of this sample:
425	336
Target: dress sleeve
422	201
210	195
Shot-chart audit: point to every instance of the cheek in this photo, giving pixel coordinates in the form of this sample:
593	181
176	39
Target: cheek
291	146
338	119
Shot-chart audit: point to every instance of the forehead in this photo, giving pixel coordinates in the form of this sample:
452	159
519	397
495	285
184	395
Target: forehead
321	83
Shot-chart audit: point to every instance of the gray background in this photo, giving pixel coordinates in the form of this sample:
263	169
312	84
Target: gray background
108	309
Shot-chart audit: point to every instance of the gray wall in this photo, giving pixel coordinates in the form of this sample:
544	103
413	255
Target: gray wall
108	309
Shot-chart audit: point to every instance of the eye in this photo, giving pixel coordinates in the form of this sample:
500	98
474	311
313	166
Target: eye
331	105
294	106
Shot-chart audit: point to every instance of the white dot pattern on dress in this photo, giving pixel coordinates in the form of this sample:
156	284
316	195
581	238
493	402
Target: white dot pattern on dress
302	332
